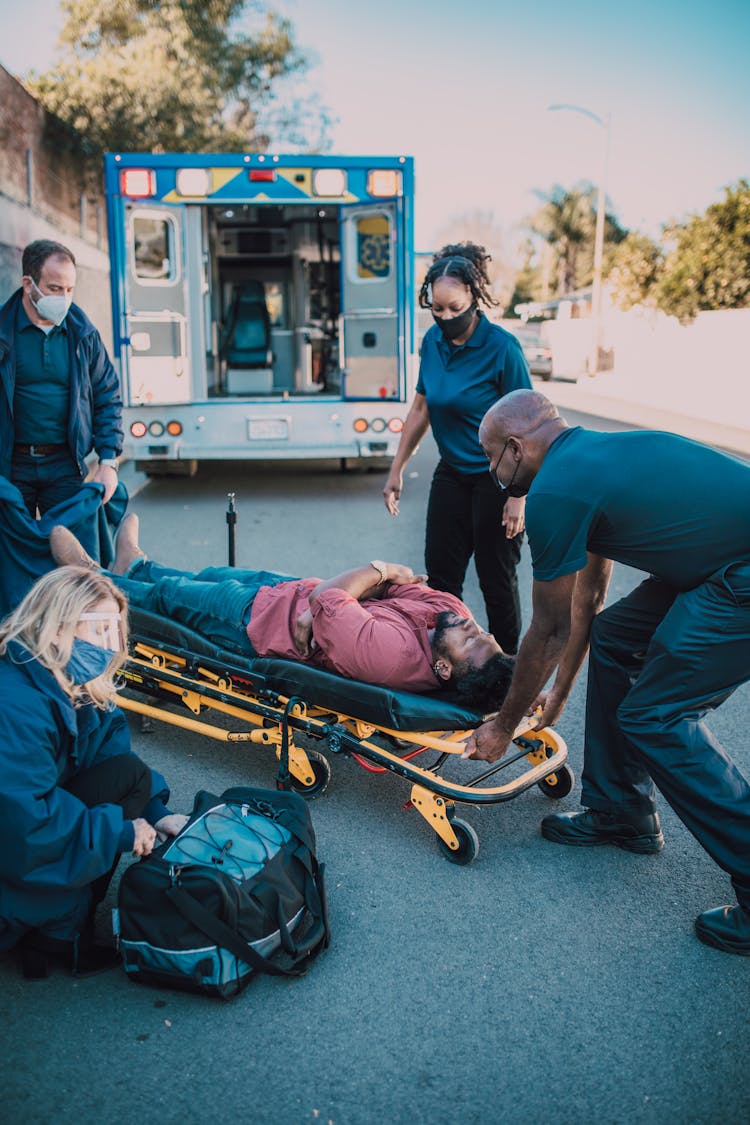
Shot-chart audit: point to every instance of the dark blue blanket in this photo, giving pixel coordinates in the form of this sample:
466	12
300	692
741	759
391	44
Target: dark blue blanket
24	542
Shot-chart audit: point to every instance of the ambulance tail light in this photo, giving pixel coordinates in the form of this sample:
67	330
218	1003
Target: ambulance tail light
329	181
360	425
262	175
395	425
384	182
138	183
377	425
156	428
194	182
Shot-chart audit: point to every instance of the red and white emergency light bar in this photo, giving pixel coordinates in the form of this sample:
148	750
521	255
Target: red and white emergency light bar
198	183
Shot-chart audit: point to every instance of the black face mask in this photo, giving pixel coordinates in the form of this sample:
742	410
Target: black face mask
511	488
517	491
456	325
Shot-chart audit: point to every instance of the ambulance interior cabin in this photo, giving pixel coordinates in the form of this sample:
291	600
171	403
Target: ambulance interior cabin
267	314
275	299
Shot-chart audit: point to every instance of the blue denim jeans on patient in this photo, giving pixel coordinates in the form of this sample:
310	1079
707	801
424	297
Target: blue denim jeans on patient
215	602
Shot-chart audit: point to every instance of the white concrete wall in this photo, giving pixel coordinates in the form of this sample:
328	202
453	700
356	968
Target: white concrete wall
700	369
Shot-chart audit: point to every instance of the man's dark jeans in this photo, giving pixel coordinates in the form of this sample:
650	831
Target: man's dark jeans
216	602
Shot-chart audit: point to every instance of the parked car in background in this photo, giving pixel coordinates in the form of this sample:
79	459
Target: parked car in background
538	353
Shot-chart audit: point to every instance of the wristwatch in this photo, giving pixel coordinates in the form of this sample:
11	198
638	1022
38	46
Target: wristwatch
381	567
109	463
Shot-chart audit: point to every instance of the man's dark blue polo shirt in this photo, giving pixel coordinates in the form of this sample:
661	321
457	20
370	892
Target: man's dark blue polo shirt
462	383
654	501
40	402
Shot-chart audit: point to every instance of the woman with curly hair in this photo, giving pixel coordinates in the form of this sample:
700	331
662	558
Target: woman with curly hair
73	796
466	365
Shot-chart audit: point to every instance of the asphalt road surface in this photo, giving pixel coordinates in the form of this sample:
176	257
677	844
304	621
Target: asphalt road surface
540	984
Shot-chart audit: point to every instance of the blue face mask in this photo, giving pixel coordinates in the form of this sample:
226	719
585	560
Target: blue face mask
87	661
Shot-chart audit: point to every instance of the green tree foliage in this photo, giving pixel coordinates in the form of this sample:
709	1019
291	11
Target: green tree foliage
528	285
708	264
633	269
567	222
159	75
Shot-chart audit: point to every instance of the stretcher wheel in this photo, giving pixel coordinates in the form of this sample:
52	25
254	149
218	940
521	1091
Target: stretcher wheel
468	844
558	784
321	769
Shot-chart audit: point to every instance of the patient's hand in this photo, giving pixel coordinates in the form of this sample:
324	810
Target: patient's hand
399	575
303	638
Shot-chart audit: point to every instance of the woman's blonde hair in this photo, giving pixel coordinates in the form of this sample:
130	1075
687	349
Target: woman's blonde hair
45	623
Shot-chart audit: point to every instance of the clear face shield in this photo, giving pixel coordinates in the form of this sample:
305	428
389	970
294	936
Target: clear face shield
102	629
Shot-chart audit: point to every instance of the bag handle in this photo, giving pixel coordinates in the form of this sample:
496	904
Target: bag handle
193	911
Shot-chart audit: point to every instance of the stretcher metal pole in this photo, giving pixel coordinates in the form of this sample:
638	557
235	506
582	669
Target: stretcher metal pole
231	529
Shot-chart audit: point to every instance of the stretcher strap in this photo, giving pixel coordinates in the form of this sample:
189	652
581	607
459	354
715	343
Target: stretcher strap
283	776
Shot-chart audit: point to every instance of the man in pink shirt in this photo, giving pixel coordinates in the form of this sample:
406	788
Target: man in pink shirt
378	623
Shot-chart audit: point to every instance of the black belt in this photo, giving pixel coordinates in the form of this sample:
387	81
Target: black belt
39	450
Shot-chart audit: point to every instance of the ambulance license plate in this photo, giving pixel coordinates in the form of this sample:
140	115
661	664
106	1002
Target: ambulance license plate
268	429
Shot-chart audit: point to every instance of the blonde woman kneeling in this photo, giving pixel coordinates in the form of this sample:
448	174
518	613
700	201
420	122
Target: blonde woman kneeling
73	795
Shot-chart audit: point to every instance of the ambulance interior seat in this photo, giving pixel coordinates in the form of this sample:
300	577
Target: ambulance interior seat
247	342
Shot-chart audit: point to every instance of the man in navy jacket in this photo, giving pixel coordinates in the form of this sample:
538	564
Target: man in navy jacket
59	393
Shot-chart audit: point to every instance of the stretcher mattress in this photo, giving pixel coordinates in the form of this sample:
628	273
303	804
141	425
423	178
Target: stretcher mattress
384	707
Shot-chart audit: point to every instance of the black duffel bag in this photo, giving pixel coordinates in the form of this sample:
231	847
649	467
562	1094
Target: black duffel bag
238	891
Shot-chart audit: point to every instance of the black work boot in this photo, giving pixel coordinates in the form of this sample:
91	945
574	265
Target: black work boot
82	958
640	834
726	928
39	952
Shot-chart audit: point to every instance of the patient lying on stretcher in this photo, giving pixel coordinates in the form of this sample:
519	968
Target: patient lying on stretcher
378	623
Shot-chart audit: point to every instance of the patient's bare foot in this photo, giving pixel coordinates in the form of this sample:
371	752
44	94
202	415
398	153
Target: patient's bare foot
67	551
127	550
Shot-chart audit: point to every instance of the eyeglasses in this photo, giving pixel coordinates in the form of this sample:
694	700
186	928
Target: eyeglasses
502	488
102	629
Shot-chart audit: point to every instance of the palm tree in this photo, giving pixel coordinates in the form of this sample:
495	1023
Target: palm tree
567	223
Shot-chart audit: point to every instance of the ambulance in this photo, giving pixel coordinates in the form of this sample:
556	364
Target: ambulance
263	305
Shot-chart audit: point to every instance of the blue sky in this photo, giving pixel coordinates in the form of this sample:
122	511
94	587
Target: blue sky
464	88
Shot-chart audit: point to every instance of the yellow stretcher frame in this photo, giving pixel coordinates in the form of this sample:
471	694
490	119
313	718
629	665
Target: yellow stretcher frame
273	717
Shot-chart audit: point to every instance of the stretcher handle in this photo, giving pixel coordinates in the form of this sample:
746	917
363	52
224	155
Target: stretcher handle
231	529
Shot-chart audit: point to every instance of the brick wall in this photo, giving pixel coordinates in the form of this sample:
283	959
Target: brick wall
45	175
44	165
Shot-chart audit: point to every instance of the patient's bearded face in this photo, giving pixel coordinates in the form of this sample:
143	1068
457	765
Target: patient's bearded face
460	641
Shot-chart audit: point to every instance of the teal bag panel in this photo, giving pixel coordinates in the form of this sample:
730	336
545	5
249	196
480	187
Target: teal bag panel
213	839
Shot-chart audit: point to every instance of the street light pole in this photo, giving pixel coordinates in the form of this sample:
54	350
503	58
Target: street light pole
601	206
